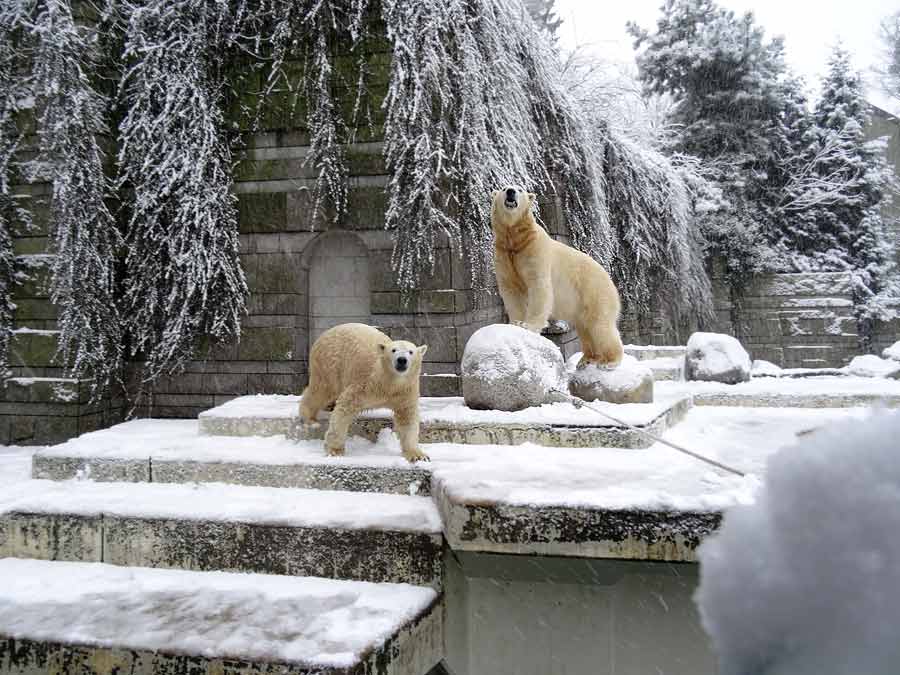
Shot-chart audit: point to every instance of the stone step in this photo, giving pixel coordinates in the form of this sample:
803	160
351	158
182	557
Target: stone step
448	420
650	352
791	392
342	535
33	348
88	617
35	273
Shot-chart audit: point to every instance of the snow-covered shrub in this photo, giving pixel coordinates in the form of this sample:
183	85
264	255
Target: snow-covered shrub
658	254
806	580
183	279
71	125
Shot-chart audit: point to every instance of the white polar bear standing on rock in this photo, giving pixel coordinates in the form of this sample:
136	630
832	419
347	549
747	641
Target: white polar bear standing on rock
539	277
358	367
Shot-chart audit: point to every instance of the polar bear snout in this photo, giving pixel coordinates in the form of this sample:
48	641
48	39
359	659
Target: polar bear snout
401	359
511	202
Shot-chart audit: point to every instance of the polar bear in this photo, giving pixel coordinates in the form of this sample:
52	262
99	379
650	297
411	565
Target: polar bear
539	277
357	367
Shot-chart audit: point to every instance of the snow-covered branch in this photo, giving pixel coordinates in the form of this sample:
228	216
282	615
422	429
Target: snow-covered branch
183	279
71	127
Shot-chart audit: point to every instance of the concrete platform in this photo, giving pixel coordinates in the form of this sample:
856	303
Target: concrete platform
790	392
372	537
448	420
69	617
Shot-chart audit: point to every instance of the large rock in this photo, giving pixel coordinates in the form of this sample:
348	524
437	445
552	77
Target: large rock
629	382
510	368
869	365
892	352
715	357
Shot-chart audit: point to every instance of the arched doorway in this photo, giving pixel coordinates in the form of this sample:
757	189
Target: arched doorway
339	289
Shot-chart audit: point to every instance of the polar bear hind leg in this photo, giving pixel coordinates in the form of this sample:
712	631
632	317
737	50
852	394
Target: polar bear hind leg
600	341
315	398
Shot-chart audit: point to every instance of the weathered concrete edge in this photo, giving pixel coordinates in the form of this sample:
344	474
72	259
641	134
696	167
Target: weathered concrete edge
360	555
775	400
665	536
412	480
415	648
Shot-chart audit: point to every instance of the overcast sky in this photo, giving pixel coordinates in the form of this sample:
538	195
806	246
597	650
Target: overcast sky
810	28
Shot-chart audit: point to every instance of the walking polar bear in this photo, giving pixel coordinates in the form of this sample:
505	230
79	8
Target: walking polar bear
539	277
357	367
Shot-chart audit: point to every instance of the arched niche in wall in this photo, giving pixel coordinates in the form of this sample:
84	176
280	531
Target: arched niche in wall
339	286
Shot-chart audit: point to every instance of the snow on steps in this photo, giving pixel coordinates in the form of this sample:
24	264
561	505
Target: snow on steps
366	537
80	617
449	420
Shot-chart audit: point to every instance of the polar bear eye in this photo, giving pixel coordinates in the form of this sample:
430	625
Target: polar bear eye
394	350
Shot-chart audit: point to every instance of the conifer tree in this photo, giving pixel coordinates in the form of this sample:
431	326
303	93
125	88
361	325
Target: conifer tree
852	216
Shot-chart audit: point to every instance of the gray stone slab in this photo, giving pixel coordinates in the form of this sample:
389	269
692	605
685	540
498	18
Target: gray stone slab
100	469
793	400
51	537
412	480
570	436
578	532
360	555
412	650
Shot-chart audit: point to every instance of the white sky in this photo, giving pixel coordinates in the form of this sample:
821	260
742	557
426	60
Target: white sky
810	28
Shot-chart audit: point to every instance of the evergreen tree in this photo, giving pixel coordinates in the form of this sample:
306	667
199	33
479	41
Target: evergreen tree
724	76
852	216
71	122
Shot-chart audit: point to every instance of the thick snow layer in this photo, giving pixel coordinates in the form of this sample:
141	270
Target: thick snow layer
765	369
15	465
716	357
869	365
454	409
892	352
653	478
311	621
225	503
807	580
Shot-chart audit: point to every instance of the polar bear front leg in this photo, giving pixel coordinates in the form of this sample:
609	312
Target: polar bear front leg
348	406
406	424
540	303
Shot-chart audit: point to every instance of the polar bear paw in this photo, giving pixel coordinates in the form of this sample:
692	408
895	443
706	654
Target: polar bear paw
334	451
416	455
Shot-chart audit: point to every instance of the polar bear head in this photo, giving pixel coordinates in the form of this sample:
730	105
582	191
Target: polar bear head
402	357
510	203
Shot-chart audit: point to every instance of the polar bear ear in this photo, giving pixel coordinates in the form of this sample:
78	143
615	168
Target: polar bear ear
494	194
532	198
382	347
422	349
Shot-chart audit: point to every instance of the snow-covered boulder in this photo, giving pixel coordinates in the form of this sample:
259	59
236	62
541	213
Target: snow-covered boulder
869	365
510	368
806	580
716	357
765	369
629	382
892	352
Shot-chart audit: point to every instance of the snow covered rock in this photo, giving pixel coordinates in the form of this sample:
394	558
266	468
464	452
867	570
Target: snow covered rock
765	369
629	382
892	352
806	580
510	368
869	365
715	357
